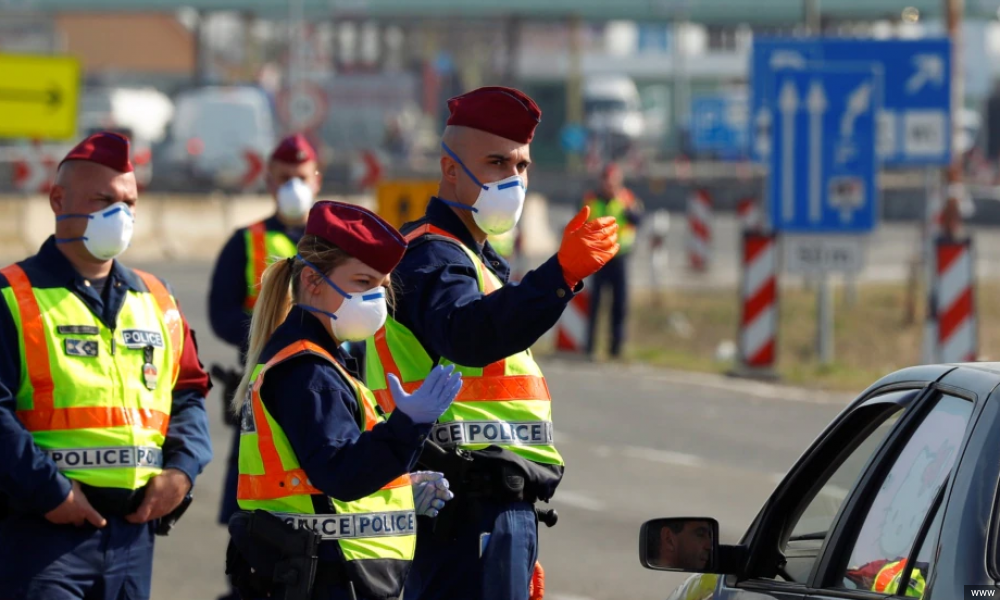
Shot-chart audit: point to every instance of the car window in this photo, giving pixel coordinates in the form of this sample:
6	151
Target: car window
903	501
827	478
817	518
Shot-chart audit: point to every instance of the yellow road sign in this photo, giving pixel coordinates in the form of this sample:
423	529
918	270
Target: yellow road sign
400	201
38	96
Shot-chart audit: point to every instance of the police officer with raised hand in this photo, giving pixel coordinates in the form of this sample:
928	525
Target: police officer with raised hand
315	449
103	430
495	444
293	180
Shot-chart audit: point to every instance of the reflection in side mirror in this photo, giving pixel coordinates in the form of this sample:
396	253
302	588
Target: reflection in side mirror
684	544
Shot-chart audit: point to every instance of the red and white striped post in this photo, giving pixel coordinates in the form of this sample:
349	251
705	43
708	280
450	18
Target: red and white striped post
951	332
699	242
759	297
749	214
574	324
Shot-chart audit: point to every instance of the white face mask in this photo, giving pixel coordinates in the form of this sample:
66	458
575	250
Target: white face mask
109	231
499	205
295	198
360	316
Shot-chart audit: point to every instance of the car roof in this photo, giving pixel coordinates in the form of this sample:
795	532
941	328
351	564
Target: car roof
978	377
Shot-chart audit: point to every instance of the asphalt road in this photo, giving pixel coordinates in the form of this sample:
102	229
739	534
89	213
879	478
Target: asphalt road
639	444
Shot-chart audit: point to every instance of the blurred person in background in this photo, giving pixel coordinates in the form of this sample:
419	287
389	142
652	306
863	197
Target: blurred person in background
293	180
103	430
456	307
316	457
613	199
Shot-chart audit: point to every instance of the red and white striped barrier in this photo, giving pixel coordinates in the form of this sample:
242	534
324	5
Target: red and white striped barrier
573	325
759	296
699	242
749	214
952	325
34	170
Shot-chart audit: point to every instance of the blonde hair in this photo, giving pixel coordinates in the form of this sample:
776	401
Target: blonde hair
279	287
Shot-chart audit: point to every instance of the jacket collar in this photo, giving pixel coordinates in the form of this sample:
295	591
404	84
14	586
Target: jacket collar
53	261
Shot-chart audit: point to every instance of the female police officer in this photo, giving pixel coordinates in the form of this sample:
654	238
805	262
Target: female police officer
314	448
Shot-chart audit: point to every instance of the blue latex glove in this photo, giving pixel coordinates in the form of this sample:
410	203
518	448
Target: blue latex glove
430	492
432	398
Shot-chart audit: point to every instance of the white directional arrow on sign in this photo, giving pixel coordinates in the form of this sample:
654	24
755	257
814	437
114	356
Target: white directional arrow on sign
817	105
930	69
788	103
857	105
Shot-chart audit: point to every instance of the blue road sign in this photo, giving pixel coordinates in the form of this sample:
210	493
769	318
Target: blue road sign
824	164
914	125
719	124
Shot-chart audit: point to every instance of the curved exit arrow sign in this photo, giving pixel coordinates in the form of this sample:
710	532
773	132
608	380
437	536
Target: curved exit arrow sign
38	96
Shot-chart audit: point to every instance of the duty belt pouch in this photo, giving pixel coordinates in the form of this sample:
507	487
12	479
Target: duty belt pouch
271	546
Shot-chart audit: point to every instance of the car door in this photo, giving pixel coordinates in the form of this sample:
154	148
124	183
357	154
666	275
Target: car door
786	541
886	539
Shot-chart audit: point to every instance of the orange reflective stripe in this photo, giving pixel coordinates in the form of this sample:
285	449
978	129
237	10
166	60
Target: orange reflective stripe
92	417
401	481
887	574
488	389
258	247
36	349
269	487
389	365
171	318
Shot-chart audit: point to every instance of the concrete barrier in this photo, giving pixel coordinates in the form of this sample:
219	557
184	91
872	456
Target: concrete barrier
195	227
166	227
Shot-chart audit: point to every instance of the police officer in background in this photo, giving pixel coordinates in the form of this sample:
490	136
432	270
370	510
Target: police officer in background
104	430
495	444
293	179
614	200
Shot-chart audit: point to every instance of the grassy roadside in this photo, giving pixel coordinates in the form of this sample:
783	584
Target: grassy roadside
872	335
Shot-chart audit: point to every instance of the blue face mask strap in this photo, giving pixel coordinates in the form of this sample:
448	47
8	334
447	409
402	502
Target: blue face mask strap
462	164
73	216
459	205
325	278
314	309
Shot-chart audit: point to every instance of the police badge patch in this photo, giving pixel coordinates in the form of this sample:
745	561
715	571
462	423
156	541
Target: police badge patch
84	348
247	422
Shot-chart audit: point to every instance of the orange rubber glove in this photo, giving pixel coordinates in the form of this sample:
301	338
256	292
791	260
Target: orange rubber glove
536	588
586	247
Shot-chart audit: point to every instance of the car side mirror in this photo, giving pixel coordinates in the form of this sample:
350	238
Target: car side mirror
686	544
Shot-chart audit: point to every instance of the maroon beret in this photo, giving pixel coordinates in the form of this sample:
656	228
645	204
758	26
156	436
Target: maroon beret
294	149
359	232
104	148
502	111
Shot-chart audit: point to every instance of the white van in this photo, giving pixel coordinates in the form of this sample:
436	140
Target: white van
212	131
613	112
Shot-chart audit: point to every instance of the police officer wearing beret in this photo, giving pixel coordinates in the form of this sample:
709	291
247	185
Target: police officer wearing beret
293	179
102	420
315	450
456	307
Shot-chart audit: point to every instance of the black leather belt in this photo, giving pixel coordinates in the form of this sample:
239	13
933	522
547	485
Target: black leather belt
113	502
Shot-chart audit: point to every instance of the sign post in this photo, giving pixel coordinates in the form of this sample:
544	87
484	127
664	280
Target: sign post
824	167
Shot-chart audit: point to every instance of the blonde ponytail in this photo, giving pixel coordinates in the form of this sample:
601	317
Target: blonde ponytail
279	287
273	304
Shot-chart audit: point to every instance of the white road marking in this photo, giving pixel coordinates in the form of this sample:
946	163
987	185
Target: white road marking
578	500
